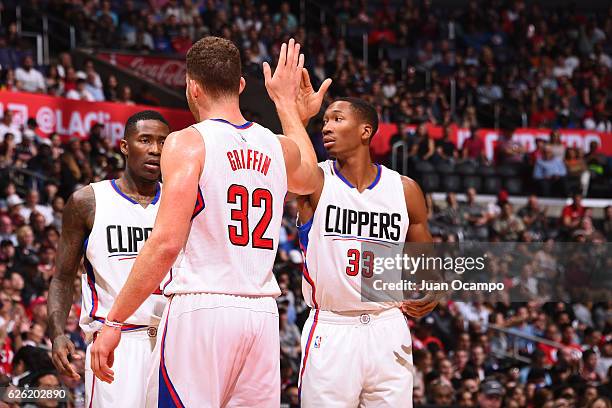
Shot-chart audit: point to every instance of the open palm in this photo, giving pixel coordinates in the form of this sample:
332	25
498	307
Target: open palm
308	101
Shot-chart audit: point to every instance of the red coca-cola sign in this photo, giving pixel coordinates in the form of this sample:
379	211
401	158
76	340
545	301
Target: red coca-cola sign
165	71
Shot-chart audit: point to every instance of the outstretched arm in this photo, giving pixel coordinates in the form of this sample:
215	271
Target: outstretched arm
182	162
295	99
76	224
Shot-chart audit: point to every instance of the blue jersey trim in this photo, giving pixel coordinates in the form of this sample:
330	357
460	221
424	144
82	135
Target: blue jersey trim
348	183
157	195
377	179
116	187
167	394
246	125
303	231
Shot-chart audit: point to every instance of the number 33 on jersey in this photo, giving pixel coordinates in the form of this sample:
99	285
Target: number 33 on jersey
348	231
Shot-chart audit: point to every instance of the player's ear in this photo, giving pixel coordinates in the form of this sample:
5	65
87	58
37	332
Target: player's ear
242	85
194	89
123	146
366	132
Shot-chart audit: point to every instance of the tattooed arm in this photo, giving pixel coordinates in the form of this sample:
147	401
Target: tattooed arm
76	225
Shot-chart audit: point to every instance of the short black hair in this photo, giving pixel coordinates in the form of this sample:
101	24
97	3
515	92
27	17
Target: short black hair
365	110
130	125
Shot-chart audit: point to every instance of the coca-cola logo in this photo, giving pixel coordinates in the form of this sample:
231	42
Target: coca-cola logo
168	72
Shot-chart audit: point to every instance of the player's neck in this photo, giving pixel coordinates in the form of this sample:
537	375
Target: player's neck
133	186
228	110
358	169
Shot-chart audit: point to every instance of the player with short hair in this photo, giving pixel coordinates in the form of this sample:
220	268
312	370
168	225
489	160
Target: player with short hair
354	353
225	180
108	222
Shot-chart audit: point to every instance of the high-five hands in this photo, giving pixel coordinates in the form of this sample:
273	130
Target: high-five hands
284	86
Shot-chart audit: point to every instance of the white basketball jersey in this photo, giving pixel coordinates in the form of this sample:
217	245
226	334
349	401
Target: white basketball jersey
236	223
121	226
349	229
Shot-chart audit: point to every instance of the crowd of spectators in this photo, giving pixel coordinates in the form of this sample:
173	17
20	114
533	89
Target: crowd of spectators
510	63
18	73
458	357
550	168
553	65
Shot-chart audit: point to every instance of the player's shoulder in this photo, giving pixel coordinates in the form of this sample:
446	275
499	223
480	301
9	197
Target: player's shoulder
411	187
185	142
82	202
84	195
177	135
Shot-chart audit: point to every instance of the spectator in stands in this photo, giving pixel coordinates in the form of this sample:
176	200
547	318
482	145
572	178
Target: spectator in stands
549	174
7	126
474	149
556	146
508	227
424	147
8	81
442	393
111	91
595	159
93	87
475	215
182	42
446	150
490	394
32	205
572	214
286	18
538	152
53	81
80	93
126	95
588	369
509	151
534	217
7	229
577	170
30	79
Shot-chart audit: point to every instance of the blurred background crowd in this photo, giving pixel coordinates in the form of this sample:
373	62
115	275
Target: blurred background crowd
529	64
489	64
456	348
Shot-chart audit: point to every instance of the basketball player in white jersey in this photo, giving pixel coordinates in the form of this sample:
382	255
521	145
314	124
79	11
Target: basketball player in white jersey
108	222
355	353
220	340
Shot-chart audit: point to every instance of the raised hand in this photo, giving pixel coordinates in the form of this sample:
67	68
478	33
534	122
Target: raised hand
283	87
308	101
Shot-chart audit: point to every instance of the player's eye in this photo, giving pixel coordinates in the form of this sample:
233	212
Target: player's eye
338	119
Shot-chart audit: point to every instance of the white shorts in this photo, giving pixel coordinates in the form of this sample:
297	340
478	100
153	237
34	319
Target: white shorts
356	360
133	357
217	351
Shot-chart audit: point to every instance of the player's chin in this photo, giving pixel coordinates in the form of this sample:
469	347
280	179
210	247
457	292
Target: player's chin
151	172
151	175
332	151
